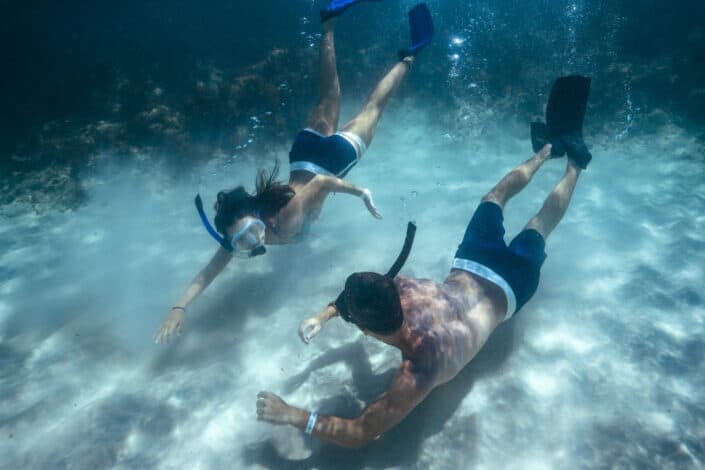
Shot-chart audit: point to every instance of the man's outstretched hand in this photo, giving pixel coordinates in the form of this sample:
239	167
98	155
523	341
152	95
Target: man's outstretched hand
309	328
274	410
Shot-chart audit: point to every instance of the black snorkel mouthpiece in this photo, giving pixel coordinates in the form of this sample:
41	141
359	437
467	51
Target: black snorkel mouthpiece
341	305
260	250
213	233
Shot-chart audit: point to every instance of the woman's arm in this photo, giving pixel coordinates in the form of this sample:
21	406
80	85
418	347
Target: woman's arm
173	324
320	186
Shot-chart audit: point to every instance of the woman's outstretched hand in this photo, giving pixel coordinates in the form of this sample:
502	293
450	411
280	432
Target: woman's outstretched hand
370	204
172	325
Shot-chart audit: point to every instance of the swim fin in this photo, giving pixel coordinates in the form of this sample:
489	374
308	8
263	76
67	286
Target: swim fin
337	7
565	113
421	26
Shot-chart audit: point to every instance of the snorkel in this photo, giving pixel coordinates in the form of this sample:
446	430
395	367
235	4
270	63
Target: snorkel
404	254
225	243
204	220
340	303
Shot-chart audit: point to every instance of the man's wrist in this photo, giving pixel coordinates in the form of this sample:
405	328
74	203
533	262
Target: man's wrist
329	312
298	418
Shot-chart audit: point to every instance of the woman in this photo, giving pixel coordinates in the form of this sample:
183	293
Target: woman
280	213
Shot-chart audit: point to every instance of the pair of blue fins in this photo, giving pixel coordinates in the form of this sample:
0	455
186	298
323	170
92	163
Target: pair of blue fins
420	23
567	102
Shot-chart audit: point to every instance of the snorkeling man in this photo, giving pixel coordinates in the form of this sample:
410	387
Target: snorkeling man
439	328
320	157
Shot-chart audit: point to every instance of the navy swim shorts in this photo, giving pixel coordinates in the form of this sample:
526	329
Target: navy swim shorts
515	268
334	155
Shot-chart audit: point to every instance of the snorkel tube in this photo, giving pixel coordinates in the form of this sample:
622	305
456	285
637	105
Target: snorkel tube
401	259
340	304
222	241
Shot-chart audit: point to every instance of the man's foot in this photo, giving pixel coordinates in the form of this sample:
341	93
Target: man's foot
541	135
576	149
336	8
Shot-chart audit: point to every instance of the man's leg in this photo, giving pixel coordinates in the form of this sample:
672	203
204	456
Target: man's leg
556	203
517	179
365	123
324	118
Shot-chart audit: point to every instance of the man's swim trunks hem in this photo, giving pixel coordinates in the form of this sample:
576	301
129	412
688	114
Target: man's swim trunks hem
486	273
333	155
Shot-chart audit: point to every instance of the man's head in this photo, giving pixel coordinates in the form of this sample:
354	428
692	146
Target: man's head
371	301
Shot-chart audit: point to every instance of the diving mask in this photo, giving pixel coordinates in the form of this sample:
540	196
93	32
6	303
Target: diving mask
248	239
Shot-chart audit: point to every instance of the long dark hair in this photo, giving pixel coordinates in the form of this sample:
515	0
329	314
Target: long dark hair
270	196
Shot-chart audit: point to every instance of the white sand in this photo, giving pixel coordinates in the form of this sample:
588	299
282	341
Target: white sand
602	368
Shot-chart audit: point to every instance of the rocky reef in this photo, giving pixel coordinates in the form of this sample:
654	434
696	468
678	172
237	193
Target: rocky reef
204	108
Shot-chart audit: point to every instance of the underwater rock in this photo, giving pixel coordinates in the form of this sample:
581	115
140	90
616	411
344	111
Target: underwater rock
53	187
256	109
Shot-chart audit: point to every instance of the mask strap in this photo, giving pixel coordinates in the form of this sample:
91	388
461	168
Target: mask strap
401	259
204	220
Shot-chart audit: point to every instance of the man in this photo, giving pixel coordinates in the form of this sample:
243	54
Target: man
439	328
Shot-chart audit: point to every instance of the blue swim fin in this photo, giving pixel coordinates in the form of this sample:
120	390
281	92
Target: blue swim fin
565	113
421	26
337	7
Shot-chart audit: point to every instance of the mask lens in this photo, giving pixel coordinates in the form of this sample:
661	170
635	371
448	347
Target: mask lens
249	235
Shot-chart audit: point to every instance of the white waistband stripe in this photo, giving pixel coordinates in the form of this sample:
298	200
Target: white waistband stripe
308	166
486	273
313	131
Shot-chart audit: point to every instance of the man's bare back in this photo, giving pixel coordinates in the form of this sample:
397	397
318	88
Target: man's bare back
445	325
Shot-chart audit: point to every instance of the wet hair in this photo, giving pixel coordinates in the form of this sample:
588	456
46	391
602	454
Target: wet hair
270	196
371	301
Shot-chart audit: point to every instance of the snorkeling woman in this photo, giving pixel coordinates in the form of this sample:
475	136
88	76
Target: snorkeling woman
320	157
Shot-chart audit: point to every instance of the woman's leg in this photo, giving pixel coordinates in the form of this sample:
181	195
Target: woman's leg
365	123
324	118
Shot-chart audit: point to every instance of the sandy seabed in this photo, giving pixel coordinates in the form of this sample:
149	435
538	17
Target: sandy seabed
602	369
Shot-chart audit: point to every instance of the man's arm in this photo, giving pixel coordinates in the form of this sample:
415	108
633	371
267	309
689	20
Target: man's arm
407	390
312	325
